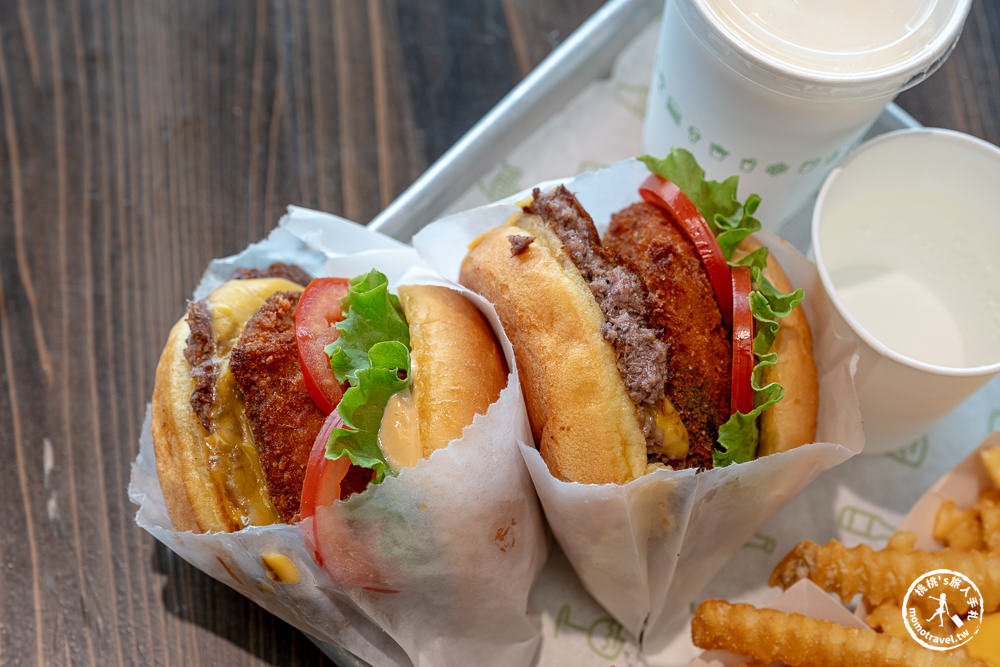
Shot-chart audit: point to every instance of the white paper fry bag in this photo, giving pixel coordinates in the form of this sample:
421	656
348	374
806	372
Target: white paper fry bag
645	548
431	567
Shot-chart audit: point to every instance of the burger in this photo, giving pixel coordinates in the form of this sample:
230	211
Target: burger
675	341
278	393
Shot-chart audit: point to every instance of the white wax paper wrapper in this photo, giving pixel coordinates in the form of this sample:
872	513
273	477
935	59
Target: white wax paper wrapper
645	548
460	536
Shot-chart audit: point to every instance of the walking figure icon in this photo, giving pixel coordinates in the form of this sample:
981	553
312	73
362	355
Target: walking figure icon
942	611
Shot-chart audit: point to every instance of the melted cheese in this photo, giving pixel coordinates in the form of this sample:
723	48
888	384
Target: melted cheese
280	569
675	435
231	452
986	644
399	433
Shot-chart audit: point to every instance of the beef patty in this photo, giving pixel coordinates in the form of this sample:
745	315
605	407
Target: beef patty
685	310
619	292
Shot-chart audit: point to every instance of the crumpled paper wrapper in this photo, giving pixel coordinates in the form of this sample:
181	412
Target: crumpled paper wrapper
460	536
643	549
962	484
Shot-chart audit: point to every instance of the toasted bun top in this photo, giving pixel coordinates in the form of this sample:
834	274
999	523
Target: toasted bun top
211	481
792	420
586	426
458	367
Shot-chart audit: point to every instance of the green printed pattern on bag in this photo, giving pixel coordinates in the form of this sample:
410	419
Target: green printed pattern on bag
604	635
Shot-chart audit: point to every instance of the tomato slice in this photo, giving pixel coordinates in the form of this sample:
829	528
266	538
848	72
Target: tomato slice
317	313
742	391
321	485
665	194
328	480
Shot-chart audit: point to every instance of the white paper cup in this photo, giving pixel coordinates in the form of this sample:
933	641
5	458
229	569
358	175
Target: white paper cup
907	245
782	119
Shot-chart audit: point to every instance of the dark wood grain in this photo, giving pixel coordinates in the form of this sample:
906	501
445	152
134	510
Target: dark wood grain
140	139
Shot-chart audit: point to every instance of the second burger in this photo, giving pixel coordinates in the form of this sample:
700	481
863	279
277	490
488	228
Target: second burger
674	342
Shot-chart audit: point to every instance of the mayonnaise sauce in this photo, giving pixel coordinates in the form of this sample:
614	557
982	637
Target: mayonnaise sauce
833	36
399	435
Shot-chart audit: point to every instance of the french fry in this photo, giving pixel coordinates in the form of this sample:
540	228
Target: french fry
991	459
888	618
960	529
883	576
771	636
989	515
902	540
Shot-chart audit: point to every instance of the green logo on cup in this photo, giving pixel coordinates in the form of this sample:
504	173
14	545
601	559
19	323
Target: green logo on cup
674	112
808	165
718	152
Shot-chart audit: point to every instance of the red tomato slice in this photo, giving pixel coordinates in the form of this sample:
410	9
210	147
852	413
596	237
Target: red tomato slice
328	480
665	194
321	485
317	313
742	391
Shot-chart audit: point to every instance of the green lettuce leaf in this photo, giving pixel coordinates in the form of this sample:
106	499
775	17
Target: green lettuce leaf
372	354
731	222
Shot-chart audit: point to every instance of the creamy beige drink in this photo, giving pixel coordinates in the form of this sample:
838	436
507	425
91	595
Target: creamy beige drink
834	36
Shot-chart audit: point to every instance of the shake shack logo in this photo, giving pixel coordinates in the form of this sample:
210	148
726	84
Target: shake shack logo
942	609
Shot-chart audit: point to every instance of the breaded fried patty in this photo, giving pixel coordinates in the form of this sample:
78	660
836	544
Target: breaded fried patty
684	306
284	419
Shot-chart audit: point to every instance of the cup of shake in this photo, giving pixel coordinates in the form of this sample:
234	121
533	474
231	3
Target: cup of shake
907	247
778	91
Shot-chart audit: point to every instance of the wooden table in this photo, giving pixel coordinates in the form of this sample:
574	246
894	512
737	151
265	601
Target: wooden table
140	140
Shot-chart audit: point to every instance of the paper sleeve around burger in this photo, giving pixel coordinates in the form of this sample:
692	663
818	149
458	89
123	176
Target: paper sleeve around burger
454	531
655	536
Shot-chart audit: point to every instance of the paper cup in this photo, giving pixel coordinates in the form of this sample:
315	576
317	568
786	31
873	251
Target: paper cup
781	108
907	246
